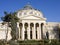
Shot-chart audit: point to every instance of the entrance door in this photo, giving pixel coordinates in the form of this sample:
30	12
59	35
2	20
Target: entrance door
25	34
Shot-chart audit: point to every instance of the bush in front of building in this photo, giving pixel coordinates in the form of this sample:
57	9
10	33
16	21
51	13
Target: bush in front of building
39	42
54	42
2	42
13	42
34	42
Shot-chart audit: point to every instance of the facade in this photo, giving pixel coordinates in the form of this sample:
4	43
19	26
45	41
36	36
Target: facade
32	25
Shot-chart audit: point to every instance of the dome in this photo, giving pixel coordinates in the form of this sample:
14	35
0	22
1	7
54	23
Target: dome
29	10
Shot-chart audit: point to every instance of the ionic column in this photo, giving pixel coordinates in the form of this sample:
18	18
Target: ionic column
28	31
40	31
19	31
23	29
34	32
43	30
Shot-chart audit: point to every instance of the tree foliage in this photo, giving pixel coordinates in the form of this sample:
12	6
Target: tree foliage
56	31
9	17
12	20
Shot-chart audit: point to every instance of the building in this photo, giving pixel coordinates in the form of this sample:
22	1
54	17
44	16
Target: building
32	25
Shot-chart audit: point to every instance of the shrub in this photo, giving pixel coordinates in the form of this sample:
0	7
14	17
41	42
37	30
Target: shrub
13	42
35	42
2	42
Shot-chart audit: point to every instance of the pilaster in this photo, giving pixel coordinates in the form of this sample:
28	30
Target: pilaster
23	29
34	32
19	31
40	31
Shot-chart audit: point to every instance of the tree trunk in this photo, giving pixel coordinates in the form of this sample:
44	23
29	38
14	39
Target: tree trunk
7	31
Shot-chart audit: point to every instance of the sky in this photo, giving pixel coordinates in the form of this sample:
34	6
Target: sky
49	8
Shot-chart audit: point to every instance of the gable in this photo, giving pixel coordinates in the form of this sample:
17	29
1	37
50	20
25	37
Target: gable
32	17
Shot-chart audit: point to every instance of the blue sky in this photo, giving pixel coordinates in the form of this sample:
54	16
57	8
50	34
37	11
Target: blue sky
50	8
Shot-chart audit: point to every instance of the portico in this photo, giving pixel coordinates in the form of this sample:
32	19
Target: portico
30	31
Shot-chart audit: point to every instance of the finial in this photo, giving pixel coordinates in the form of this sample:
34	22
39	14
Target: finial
28	6
28	3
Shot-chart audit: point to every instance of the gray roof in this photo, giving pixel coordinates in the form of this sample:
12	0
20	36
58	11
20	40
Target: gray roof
28	6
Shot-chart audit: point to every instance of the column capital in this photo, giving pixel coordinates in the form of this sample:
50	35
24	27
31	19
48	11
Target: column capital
34	23
23	23
39	23
17	24
28	22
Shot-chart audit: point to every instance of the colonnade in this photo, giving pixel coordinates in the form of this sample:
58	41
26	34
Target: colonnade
30	31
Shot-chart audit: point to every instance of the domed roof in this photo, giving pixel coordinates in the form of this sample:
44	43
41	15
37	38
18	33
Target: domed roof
28	6
29	10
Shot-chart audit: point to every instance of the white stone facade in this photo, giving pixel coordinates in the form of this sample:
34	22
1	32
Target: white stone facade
32	25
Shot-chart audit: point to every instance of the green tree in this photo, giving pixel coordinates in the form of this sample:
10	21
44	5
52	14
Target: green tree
11	19
56	31
14	20
6	20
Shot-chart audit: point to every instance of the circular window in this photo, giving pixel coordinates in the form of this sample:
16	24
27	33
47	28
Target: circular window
25	13
31	12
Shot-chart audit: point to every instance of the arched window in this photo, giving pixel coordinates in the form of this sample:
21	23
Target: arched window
37	25
26	25
20	24
31	24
